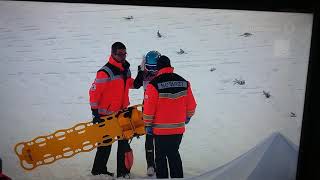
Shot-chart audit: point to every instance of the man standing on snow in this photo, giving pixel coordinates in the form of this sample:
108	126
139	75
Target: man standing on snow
146	72
168	106
109	94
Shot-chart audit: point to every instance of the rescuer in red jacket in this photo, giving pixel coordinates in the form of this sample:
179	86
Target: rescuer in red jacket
109	94
168	106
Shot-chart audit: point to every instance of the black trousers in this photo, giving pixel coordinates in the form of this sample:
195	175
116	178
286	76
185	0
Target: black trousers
149	148
167	151
102	157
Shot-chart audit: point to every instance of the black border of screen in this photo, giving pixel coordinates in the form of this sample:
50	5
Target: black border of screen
309	148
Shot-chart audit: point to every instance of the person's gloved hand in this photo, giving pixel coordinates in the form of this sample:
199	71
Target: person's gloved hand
95	116
188	120
142	65
96	120
149	130
128	112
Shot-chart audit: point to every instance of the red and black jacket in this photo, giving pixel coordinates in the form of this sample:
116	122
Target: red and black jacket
110	89
168	102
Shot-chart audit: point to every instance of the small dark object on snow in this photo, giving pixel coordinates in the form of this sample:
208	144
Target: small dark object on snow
128	17
181	52
246	34
158	34
212	69
292	114
266	94
239	81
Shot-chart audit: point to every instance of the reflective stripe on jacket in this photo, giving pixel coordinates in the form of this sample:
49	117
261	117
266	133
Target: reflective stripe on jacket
109	92
168	102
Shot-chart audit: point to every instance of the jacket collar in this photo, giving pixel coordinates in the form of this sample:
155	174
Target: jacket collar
165	70
115	63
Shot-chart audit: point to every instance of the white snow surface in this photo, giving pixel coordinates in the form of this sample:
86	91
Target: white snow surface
50	52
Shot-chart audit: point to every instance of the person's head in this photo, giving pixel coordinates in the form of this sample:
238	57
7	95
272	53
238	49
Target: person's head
163	62
119	52
151	60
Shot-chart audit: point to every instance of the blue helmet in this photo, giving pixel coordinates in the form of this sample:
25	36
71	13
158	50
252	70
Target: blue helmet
151	60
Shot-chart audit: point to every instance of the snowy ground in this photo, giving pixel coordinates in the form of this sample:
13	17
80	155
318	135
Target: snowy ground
49	53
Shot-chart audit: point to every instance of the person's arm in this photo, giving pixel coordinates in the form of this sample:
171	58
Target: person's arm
96	91
138	81
150	105
191	103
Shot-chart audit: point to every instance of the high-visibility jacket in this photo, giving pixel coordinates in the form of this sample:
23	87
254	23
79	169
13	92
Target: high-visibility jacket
168	102
110	89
